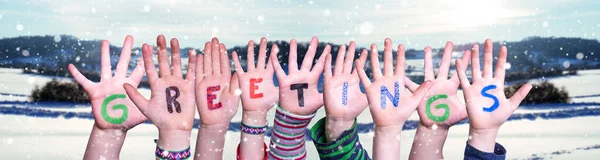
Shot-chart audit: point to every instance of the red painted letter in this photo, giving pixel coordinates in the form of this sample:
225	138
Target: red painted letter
254	87
210	97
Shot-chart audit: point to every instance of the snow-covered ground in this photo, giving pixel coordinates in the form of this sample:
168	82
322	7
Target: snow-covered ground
23	137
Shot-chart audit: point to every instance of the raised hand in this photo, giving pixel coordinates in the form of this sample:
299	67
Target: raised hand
389	102
114	113
112	109
217	94
343	99
298	92
487	106
442	107
215	87
171	106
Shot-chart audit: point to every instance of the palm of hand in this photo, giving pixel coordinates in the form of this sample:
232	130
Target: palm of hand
289	101
335	106
228	101
158	111
391	115
445	116
266	91
98	95
479	118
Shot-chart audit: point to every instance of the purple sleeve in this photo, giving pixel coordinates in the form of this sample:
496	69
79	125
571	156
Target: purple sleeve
472	153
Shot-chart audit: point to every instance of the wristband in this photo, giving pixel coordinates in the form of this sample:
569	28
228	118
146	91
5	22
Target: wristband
171	155
253	129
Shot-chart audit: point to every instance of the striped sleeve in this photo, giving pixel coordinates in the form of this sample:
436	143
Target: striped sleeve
287	140
346	147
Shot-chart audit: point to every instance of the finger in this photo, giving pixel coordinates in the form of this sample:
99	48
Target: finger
262	54
475	67
516	99
235	84
318	69
327	70
500	63
200	73
310	54
293	56
420	92
465	60
429	75
163	57
349	58
250	57
274	51
207	59
411	85
225	64
105	68
137	98
191	73
400	61
461	68
80	78
216	56
278	70
151	72
360	68
338	68
123	63
487	59
138	73
176	58
375	68
446	60
388	59
236	63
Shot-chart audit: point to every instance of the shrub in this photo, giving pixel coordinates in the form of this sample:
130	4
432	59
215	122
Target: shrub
544	92
60	92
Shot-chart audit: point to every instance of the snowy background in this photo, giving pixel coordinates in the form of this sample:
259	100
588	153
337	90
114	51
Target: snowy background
52	130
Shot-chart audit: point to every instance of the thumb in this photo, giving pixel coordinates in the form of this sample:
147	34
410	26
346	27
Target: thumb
140	102
420	92
516	99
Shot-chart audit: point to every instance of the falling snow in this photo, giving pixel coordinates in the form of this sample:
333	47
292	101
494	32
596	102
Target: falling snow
19	27
366	28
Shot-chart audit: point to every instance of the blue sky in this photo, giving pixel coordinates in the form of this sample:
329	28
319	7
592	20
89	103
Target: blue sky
414	23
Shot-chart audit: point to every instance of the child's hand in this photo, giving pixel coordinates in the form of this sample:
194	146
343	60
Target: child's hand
441	105
215	87
487	105
259	93
389	102
111	107
171	106
343	99
298	91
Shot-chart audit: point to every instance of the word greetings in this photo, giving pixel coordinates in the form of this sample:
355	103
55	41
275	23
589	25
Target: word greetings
210	97
105	115
254	87
439	106
300	87
385	93
172	99
496	103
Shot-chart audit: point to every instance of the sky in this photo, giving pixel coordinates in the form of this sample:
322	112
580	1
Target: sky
414	23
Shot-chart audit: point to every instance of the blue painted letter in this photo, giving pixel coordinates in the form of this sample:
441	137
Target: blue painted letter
345	94
495	105
385	93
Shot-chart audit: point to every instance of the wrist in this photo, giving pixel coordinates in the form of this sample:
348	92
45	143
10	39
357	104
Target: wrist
335	126
173	140
254	118
483	139
433	130
388	129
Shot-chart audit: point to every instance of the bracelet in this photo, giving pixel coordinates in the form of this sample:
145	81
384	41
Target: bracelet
172	155
253	129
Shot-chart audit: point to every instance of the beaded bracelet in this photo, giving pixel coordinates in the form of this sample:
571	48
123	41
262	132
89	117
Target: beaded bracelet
253	129
171	155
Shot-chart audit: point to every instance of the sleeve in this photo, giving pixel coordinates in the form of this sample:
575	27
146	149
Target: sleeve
472	153
346	147
287	140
